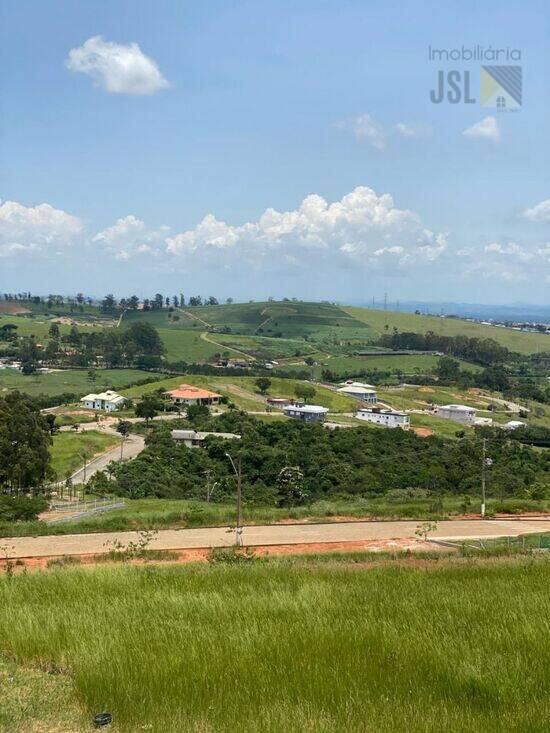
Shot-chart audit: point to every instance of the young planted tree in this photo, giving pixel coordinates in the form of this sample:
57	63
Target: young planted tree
263	384
304	391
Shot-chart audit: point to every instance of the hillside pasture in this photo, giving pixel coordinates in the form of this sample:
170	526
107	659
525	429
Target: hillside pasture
74	381
377	320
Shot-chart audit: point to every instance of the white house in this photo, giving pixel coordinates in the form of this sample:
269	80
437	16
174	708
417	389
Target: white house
359	390
108	401
386	418
306	413
193	438
458	413
514	425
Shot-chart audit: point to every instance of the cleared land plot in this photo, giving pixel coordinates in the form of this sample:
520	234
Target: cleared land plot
321	645
420	397
69	380
187	346
68	449
263	347
524	343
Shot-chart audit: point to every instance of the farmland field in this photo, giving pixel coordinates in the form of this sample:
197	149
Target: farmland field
377	320
187	346
69	380
298	645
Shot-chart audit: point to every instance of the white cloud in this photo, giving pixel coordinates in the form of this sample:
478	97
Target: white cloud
406	130
362	229
511	249
129	236
365	128
540	212
485	129
118	68
35	228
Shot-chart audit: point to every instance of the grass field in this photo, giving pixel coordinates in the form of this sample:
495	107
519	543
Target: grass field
152	513
69	380
418	397
187	346
377	320
244	393
68	448
303	645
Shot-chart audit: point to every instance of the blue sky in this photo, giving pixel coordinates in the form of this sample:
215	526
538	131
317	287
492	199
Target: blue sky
255	149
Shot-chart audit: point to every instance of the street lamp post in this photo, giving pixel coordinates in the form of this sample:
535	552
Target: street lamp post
238	473
483	451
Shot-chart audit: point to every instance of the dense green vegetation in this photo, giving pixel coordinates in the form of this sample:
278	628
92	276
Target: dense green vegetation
302	645
357	462
24	445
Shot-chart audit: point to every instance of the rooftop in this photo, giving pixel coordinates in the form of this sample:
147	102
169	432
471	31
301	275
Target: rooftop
356	389
197	435
109	396
457	408
312	409
351	383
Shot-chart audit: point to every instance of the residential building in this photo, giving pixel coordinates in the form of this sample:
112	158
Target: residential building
458	413
359	390
194	438
514	425
108	401
384	417
279	402
306	413
188	394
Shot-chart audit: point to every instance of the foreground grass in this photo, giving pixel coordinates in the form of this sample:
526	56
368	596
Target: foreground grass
278	646
68	449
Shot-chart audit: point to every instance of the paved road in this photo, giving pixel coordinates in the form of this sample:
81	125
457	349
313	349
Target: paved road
133	445
281	534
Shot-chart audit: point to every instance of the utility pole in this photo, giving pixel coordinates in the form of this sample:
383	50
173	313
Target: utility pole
238	473
385	301
121	445
483	464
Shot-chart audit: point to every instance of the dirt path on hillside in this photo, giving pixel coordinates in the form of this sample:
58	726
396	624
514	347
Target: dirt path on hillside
206	337
195	317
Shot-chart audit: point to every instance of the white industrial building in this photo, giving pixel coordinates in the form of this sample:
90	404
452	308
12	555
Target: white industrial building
359	390
108	401
306	413
384	417
458	413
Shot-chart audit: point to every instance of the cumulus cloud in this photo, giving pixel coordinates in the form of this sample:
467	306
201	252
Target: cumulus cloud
129	236
365	128
485	129
361	229
407	130
540	212
117	68
24	228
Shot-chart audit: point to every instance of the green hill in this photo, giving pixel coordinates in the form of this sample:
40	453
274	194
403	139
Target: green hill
520	341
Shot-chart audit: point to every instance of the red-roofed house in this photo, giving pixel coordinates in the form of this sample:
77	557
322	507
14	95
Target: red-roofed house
188	394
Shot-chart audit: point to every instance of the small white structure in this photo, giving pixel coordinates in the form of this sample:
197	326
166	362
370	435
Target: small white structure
514	425
384	417
108	401
458	413
306	413
193	438
359	390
